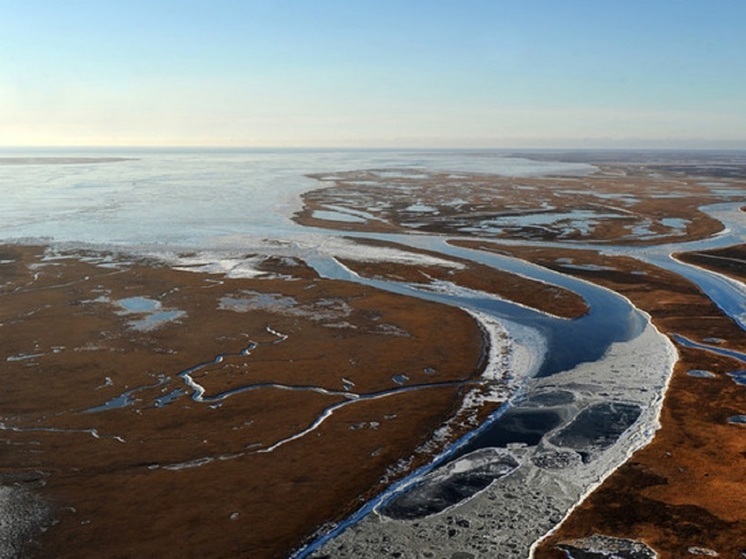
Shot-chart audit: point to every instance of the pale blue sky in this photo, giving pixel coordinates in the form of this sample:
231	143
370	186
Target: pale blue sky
384	73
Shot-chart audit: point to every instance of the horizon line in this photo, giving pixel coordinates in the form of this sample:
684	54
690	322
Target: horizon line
186	147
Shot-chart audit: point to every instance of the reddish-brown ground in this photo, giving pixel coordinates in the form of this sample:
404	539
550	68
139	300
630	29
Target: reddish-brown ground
685	489
545	297
730	261
189	479
620	204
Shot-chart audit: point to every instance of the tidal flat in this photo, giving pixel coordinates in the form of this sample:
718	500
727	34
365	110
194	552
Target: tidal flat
369	354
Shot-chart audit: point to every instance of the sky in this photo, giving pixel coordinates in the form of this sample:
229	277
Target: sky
373	73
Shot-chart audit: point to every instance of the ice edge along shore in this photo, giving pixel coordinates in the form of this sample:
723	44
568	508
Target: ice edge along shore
512	515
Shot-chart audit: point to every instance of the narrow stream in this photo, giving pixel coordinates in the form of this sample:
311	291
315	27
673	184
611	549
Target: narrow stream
611	317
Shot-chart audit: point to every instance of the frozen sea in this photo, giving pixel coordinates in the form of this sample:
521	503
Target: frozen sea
196	198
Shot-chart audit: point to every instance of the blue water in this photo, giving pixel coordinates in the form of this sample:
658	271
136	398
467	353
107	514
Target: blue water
724	292
611	317
139	304
686	342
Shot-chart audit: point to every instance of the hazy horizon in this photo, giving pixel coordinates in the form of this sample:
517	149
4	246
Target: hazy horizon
476	74
501	151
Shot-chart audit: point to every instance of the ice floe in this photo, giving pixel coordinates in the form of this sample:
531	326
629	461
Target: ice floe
607	547
451	484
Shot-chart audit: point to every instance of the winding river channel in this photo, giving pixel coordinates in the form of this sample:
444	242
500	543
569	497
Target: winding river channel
611	318
108	196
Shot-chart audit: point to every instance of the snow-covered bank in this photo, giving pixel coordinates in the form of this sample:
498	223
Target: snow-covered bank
515	354
509	516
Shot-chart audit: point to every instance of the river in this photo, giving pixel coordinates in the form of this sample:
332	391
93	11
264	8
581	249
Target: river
220	202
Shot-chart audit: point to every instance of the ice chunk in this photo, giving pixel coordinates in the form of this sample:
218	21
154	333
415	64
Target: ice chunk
597	427
606	547
451	484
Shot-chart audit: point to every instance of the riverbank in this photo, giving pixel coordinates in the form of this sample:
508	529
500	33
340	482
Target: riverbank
630	202
683	488
548	478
